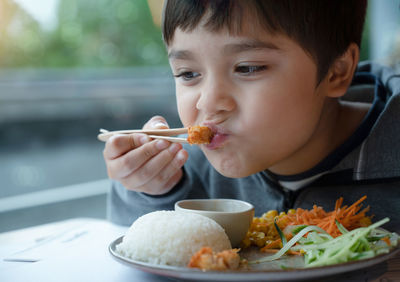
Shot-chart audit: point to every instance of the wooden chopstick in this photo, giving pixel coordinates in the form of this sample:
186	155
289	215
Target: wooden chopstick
105	134
170	139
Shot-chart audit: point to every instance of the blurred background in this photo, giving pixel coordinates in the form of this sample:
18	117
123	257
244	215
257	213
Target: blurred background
71	67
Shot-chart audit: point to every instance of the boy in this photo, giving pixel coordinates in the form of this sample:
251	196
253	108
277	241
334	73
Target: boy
268	77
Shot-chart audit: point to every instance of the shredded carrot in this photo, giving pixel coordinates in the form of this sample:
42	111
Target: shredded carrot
273	245
277	243
262	232
349	217
387	241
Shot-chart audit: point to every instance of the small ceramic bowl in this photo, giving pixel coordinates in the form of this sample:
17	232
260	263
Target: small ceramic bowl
234	216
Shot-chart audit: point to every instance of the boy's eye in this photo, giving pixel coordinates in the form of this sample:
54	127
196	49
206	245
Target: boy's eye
248	70
187	75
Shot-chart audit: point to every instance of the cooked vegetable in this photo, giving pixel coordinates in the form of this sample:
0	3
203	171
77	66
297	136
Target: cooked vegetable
349	217
264	234
289	244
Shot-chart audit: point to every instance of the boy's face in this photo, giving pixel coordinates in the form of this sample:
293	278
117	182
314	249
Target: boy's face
257	91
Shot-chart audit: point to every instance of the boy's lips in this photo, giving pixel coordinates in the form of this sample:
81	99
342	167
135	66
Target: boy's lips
217	141
219	138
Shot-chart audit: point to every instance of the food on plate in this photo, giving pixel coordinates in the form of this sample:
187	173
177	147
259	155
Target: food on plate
206	259
263	233
171	237
315	237
324	238
320	248
199	135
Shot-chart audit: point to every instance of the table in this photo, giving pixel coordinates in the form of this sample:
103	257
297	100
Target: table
70	250
77	250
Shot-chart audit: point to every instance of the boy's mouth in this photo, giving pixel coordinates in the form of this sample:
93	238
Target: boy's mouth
218	139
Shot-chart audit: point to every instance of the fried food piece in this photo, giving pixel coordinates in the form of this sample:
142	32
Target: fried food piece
206	259
199	135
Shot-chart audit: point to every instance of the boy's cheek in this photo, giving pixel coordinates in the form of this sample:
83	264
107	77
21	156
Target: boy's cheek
187	109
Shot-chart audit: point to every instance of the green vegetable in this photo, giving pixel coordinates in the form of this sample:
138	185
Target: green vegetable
352	245
281	235
289	244
342	229
298	228
321	249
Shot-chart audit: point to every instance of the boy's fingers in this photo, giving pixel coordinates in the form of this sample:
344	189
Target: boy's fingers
145	172
161	182
175	165
153	189
130	162
118	145
164	169
173	181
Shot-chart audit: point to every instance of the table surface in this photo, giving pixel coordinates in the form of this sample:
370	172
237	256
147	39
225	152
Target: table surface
77	250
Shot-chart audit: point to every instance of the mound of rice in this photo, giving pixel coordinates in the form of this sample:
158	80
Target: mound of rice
171	237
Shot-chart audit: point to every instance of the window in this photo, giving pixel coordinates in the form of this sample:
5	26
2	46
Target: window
67	69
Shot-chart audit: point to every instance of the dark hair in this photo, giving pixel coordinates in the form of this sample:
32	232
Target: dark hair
323	28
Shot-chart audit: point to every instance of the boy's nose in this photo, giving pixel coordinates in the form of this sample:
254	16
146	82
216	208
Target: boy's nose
215	97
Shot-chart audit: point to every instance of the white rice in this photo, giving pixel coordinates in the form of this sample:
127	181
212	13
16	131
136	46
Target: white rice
171	237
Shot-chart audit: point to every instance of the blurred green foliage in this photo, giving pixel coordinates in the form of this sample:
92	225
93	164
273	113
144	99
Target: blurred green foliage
90	33
20	36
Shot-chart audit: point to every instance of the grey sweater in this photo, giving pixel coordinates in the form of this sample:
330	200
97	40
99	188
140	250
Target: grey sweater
368	163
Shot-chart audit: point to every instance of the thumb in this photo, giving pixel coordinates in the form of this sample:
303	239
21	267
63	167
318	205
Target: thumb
157	122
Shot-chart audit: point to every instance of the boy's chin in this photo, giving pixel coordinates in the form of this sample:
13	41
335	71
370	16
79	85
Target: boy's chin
232	172
230	165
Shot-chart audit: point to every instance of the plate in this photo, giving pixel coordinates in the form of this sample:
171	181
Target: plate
289	268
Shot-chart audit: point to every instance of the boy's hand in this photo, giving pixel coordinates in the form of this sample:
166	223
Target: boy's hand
144	165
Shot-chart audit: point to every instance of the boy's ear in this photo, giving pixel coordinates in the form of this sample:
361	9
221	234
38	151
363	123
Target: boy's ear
341	72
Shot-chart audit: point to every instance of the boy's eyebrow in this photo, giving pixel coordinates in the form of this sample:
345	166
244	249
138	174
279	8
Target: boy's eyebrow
180	55
242	46
248	45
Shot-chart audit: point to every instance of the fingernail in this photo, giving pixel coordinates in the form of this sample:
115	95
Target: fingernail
162	144
159	124
180	156
174	148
